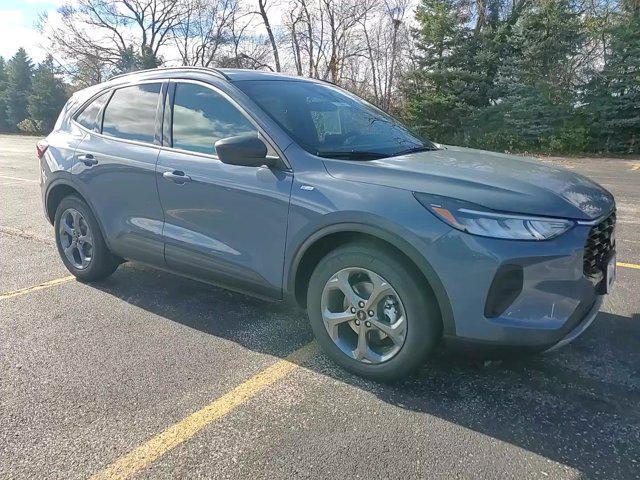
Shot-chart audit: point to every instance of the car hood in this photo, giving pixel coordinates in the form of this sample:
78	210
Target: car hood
497	181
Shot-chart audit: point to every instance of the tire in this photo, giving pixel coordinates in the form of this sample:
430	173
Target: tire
414	302
101	262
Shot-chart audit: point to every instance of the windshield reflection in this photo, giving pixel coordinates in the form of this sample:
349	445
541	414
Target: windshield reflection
330	122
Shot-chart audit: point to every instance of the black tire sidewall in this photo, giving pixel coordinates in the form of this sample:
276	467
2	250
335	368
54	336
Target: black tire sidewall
424	326
103	263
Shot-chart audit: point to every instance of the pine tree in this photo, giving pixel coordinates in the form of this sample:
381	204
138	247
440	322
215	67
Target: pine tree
434	104
129	61
48	96
4	125
613	99
19	72
148	59
500	74
535	96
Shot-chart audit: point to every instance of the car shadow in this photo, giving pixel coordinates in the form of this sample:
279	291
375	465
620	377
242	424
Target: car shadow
579	406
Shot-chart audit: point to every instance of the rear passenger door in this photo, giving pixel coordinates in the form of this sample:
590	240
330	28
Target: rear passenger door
115	163
224	223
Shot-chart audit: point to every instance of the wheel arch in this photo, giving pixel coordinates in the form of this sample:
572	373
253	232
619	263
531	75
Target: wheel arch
61	188
321	242
55	193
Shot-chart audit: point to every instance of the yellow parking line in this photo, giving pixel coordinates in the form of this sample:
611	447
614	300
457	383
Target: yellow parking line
42	286
155	447
21	179
628	265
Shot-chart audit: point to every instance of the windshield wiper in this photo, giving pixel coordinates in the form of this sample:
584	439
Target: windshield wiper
367	155
423	148
352	154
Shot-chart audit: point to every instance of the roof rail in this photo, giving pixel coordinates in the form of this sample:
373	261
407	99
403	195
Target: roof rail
196	68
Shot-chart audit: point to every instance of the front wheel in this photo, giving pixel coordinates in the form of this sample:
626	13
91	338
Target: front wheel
371	312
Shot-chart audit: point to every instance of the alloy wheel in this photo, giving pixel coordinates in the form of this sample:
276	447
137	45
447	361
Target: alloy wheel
76	238
363	315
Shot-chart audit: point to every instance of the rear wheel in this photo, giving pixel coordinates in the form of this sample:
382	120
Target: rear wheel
371	313
80	241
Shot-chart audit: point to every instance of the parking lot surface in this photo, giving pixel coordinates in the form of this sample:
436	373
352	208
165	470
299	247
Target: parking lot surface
150	375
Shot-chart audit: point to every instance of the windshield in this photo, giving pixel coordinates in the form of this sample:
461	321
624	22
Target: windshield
330	122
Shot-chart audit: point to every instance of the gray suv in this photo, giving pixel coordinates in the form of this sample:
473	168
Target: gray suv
289	188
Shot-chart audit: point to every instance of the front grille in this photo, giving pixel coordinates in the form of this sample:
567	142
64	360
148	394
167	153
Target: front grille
600	244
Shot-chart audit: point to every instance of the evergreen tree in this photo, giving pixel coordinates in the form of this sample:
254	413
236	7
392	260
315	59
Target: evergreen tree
19	72
129	61
613	98
435	106
458	64
148	59
4	125
535	95
48	96
500	74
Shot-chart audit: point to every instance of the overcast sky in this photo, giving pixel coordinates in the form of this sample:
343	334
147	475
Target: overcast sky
17	19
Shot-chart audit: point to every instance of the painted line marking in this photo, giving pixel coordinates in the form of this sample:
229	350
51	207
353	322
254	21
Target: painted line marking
628	265
144	455
42	286
21	179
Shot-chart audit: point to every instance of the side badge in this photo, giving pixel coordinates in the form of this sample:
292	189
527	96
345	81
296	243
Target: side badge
307	187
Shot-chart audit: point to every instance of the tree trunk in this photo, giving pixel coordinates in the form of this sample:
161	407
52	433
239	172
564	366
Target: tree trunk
274	46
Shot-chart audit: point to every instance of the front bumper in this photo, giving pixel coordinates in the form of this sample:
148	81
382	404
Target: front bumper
555	304
581	327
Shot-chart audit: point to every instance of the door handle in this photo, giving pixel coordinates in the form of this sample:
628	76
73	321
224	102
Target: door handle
88	159
177	177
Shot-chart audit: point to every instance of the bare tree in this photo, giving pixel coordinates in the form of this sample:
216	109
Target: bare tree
293	22
205	27
395	12
344	39
247	50
106	30
314	36
354	43
262	6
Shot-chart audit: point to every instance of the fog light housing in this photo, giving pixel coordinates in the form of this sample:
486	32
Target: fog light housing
505	288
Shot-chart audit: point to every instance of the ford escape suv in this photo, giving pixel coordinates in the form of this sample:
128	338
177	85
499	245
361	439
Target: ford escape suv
289	188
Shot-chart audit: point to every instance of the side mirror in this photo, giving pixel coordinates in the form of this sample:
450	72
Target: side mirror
245	150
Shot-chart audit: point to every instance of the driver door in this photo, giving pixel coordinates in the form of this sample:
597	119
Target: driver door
222	223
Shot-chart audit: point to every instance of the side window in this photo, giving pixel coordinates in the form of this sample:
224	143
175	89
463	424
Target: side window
131	113
201	117
90	115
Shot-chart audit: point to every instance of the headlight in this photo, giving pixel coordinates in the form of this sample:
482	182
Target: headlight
474	219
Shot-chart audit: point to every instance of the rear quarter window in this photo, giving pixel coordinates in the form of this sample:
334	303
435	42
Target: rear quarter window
131	113
90	117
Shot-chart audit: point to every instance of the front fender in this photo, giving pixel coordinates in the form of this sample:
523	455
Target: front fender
373	225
